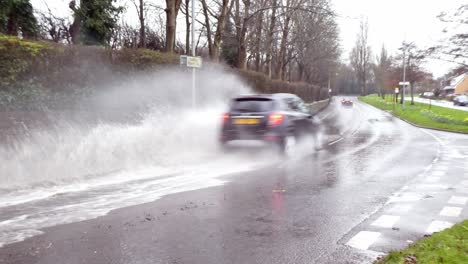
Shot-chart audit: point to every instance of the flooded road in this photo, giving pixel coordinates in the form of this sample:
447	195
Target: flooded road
247	206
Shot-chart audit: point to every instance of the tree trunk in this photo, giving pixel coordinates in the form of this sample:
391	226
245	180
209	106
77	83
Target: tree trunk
219	30
208	27
75	27
270	38
142	25
284	40
242	56
172	8
258	36
300	69
412	92
12	25
402	95
187	26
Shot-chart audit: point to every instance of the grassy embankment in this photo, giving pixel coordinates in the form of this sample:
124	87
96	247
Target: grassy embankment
448	246
422	114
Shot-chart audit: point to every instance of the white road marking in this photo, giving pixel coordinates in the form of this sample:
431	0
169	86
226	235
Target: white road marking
432	179
438	173
406	197
386	221
437	226
363	240
401	208
336	141
451	211
458	200
441	143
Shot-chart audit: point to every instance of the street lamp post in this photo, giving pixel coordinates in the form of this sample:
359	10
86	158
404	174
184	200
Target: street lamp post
404	78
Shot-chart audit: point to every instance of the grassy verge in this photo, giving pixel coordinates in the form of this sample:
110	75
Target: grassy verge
423	114
448	246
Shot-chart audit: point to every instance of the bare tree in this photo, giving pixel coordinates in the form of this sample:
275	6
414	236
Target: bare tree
53	27
413	58
172	9
242	53
219	30
207	26
270	34
454	47
381	71
141	12
187	27
360	57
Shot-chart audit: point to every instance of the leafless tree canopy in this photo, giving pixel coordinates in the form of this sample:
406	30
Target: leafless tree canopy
361	57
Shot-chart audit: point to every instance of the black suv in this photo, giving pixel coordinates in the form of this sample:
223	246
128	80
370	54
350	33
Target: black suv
276	118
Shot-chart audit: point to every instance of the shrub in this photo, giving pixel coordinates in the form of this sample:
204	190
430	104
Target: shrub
263	84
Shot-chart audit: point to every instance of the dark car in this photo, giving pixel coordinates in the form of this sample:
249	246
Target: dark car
460	100
279	119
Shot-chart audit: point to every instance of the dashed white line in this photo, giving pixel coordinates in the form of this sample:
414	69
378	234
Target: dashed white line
405	197
460	200
401	208
363	240
386	221
438	173
432	179
334	142
451	211
437	226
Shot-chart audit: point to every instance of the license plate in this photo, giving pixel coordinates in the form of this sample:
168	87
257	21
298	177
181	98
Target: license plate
246	121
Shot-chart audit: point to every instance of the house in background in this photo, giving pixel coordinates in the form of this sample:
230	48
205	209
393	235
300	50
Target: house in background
458	85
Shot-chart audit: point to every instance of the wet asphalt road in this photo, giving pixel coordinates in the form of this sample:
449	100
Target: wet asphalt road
301	211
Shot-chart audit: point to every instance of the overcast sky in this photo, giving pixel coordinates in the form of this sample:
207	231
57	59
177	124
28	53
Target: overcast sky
393	21
390	23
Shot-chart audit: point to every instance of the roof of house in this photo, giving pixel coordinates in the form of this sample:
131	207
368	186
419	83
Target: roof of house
454	81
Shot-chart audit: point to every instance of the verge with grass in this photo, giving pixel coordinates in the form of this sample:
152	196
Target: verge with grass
422	114
448	246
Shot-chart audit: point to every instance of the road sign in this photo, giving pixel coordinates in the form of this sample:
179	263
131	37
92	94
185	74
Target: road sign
403	83
194	62
183	60
397	90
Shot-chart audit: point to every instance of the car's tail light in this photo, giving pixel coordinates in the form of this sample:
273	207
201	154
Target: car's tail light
225	118
275	119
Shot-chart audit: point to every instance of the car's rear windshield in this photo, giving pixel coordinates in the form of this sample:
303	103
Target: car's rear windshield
252	105
462	97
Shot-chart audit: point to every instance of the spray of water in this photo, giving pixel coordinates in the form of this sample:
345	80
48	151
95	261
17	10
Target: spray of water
157	127
144	141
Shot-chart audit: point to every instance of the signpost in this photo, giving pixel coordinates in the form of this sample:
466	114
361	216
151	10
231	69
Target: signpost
183	60
192	62
397	91
404	83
